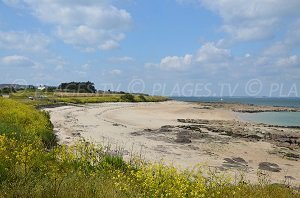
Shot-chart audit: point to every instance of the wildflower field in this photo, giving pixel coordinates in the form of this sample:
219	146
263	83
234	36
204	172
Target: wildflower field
33	165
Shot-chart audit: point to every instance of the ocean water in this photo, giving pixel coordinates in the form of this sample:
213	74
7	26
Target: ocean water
274	118
281	102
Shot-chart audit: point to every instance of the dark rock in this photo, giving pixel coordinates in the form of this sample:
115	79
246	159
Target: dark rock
240	160
167	126
292	155
183	140
183	137
235	162
164	130
289	177
75	134
254	136
272	167
137	133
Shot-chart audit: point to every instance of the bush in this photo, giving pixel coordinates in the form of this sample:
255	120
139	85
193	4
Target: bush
22	121
142	98
7	90
127	98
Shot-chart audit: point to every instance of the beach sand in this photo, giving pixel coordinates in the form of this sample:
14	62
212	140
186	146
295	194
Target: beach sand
153	132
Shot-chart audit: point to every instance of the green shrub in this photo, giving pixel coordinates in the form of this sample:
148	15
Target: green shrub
142	98
22	121
127	98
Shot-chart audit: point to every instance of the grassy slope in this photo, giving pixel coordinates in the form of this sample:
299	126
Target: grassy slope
28	169
65	98
26	122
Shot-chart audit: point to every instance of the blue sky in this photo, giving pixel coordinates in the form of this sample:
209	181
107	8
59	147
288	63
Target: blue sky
162	47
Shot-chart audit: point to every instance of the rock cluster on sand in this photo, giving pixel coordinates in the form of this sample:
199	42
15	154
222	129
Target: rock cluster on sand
282	136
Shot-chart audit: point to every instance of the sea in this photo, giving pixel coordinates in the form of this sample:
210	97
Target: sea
274	118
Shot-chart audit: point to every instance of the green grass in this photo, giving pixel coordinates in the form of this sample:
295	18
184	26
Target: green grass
29	167
25	121
107	98
51	98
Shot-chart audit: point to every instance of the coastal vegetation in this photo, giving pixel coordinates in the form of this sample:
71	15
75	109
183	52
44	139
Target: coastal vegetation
43	98
72	93
7	90
78	87
33	165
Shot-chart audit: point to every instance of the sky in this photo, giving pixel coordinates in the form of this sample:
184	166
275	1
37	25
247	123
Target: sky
160	47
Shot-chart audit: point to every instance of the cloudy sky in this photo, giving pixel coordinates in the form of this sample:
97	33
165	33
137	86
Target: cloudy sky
169	47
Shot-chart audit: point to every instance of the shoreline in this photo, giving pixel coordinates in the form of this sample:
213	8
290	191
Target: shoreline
185	134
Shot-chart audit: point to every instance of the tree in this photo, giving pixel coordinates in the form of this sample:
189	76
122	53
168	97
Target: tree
78	87
8	90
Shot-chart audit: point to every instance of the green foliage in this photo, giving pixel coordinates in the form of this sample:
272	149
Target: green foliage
48	98
127	98
83	100
7	90
78	87
109	98
142	98
25	122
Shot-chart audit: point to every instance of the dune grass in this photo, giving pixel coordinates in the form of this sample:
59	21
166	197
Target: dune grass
31	165
41	98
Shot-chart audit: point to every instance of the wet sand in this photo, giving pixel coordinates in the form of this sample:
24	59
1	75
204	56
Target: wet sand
186	134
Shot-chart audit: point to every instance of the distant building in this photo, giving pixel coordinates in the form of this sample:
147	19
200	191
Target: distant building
41	87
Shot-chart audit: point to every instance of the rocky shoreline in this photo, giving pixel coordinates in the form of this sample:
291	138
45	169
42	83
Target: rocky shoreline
246	108
287	139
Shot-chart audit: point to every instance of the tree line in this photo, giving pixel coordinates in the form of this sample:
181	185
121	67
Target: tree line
78	87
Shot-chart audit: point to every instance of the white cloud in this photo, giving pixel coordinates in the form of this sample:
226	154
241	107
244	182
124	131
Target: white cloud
186	2
290	41
212	61
115	72
176	63
89	25
173	63
232	10
209	53
85	66
18	61
252	20
122	59
276	49
80	73
151	65
251	30
209	56
292	36
56	62
23	41
247	55
13	59
290	61
109	45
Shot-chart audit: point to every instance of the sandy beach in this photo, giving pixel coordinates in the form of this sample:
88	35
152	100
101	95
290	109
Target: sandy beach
185	134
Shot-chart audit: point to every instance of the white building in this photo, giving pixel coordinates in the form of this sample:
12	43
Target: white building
41	87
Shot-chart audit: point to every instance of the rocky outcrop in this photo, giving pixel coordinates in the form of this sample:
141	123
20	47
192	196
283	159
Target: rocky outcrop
279	135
